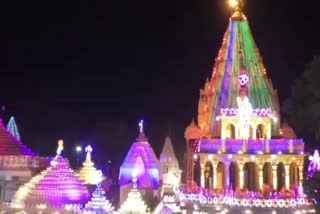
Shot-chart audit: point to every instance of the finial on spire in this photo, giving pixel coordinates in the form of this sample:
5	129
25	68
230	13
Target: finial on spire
142	137
88	149
60	147
237	6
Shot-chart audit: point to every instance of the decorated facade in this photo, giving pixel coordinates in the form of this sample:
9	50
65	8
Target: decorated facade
170	171
56	187
239	143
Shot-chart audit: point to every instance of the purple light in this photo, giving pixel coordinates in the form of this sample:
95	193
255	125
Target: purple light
314	166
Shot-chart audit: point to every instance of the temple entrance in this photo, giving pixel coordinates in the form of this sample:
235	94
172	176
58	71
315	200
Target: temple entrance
294	178
234	175
251	178
281	176
260	132
267	174
230	131
221	176
208	175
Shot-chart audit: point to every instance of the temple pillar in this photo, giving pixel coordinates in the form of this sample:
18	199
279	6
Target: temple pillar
202	176
227	165
287	169
291	150
267	149
214	167
241	178
254	133
274	177
260	176
300	167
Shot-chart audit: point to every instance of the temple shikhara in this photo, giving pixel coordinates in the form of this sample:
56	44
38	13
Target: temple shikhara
239	142
240	157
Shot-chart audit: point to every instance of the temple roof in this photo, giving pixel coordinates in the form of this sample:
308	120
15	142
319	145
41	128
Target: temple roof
10	145
167	156
142	162
238	72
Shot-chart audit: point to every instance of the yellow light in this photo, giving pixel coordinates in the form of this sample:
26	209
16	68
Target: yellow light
233	3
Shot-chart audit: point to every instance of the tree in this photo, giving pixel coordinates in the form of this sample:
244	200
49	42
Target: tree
302	108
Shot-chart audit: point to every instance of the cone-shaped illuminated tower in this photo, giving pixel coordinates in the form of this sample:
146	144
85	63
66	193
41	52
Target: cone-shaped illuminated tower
57	186
12	128
98	203
134	203
238	72
88	173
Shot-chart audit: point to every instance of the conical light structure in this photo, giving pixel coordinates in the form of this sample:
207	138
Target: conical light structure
13	129
134	203
57	186
98	202
88	173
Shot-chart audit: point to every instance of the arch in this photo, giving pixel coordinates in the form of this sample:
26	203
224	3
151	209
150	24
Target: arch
251	178
294	175
221	176
281	176
267	174
230	131
208	175
234	175
260	132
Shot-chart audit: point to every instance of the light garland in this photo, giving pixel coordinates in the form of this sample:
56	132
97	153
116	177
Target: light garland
232	201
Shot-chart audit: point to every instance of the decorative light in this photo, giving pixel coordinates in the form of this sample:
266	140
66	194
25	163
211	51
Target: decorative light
314	165
274	157
253	158
243	79
78	149
60	147
195	156
230	156
210	157
141	126
233	3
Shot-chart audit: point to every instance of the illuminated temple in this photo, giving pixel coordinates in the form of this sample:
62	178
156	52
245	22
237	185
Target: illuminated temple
239	142
56	187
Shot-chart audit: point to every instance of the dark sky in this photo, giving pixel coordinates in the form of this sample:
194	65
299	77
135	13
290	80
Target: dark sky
70	68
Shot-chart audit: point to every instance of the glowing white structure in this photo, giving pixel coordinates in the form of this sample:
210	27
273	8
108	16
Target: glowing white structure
170	171
134	203
88	173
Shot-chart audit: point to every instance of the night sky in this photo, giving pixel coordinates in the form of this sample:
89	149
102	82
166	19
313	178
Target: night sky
87	71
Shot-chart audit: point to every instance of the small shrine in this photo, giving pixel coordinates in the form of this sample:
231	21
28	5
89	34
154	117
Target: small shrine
57	187
98	202
170	171
88	173
134	203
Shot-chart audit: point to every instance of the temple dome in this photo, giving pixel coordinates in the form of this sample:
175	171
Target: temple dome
287	131
56	186
192	131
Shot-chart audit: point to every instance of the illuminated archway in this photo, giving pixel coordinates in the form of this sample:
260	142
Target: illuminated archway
234	175
260	132
230	131
267	174
251	178
281	176
208	175
294	178
221	176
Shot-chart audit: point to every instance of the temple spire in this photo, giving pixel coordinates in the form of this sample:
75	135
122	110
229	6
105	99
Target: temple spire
237	6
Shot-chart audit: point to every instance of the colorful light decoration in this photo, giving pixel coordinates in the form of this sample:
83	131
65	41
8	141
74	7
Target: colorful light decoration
56	186
244	113
243	79
88	173
13	129
314	165
134	203
98	202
